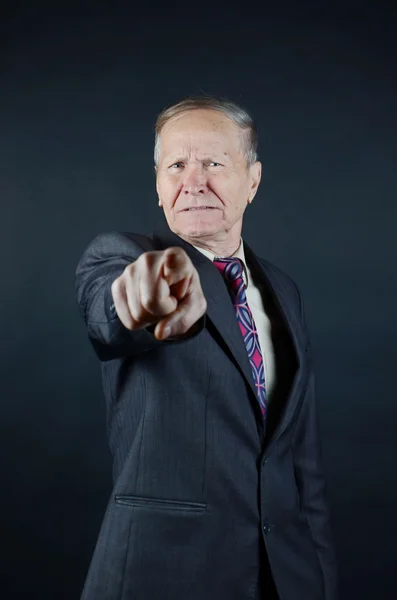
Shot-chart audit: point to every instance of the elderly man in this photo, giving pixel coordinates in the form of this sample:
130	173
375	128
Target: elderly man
208	377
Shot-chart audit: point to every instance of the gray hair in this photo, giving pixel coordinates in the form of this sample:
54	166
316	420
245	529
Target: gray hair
232	110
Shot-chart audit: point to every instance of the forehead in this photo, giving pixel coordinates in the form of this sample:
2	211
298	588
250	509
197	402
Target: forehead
200	130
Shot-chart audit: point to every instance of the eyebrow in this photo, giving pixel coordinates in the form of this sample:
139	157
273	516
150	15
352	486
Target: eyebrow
173	160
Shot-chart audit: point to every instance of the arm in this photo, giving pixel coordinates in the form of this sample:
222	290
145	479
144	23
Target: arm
102	262
312	486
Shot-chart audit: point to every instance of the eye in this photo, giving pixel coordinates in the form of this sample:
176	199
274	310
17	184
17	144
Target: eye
212	163
176	165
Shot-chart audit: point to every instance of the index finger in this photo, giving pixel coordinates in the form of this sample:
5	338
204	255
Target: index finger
176	265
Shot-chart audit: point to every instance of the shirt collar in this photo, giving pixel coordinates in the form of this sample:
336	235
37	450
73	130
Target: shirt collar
239	253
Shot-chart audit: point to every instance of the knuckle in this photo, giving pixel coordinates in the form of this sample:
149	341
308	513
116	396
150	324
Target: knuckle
130	268
115	287
175	254
177	250
148	302
146	259
128	276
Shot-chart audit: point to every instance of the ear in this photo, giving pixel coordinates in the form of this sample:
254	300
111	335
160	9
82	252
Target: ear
255	178
155	173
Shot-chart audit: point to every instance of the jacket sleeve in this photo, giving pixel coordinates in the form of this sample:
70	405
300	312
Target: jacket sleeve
104	259
311	482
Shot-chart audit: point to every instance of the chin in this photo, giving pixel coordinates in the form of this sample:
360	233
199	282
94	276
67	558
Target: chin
194	229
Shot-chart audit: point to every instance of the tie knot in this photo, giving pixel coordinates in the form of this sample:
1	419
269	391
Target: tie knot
231	268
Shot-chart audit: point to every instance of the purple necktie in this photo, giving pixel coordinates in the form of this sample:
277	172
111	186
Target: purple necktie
232	271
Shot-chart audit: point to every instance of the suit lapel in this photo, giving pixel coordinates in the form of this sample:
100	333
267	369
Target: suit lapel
222	318
288	311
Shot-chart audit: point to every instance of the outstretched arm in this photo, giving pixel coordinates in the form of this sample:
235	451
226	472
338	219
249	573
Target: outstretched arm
105	259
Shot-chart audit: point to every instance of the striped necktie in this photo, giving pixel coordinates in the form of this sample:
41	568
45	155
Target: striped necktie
232	271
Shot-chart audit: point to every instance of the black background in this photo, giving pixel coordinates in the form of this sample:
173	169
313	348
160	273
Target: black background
80	88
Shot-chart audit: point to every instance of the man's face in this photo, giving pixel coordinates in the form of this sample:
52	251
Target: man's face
201	164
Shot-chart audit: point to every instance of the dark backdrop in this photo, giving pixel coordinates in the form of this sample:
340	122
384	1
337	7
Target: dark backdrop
80	89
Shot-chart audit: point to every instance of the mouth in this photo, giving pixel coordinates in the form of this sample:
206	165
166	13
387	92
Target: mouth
198	208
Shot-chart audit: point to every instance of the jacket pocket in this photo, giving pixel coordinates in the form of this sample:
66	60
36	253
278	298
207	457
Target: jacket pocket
162	503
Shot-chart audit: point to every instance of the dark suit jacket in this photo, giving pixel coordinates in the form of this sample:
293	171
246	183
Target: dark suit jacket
204	498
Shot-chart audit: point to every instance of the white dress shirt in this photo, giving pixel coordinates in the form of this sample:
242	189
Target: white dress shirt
262	321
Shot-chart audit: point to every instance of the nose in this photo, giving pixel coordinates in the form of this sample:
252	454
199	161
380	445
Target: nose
194	180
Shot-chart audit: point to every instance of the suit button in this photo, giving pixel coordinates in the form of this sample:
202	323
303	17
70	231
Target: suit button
266	528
